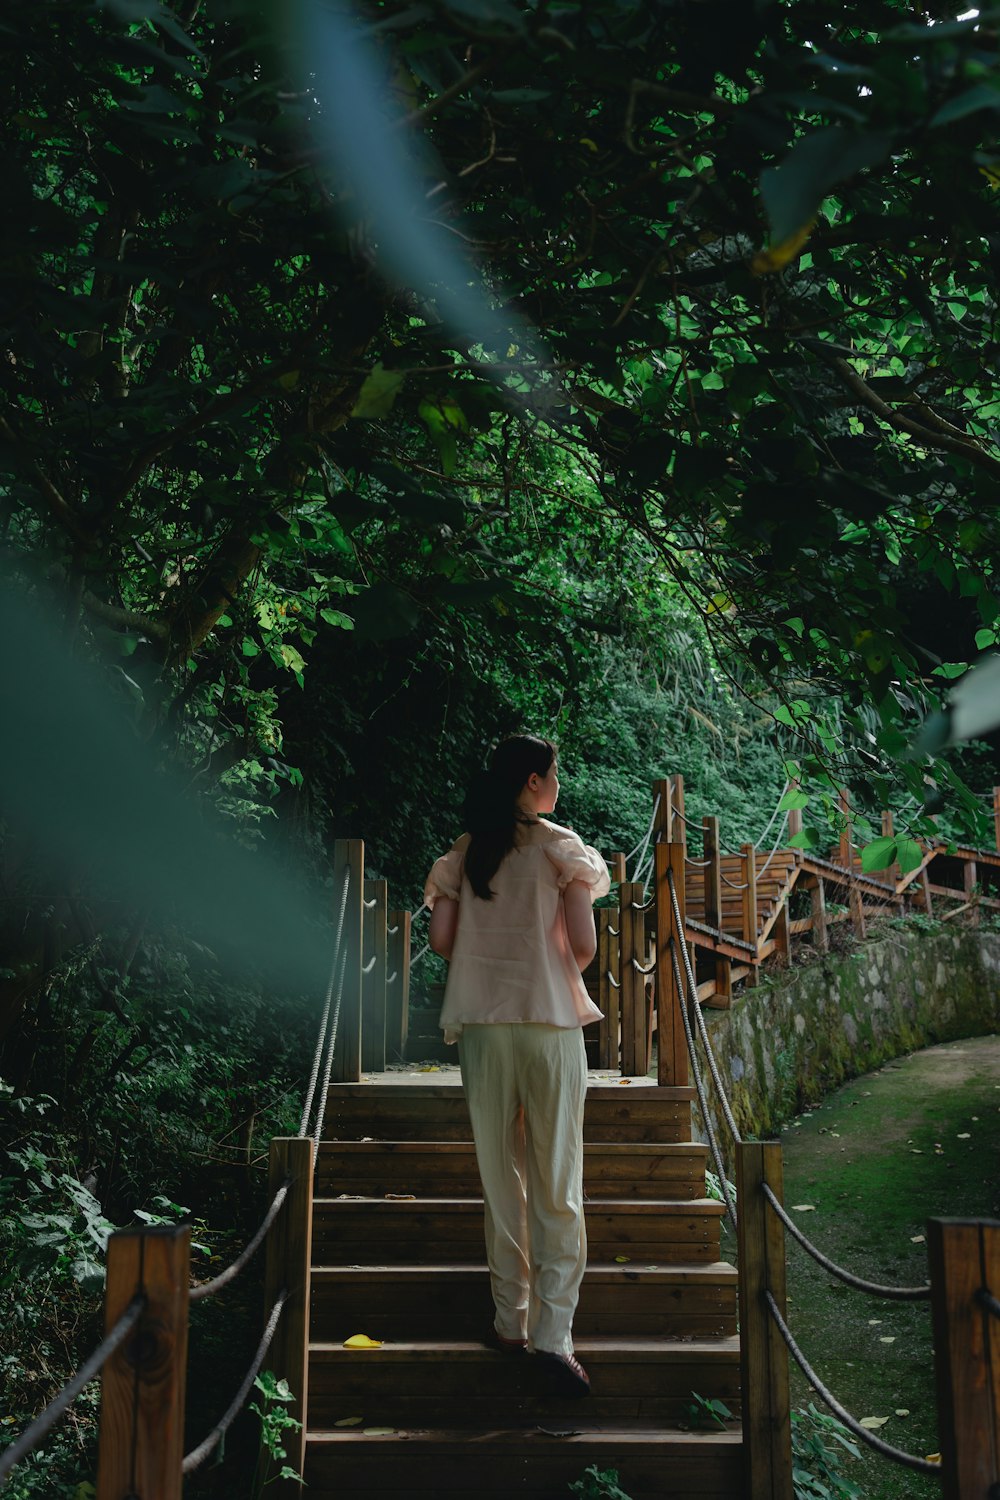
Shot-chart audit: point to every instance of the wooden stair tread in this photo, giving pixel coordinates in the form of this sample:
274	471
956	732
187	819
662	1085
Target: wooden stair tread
501	1439
680	1206
595	1350
624	1149
599	1271
418	1090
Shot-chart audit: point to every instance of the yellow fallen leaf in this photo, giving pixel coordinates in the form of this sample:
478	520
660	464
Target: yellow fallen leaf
916	1239
775	257
803	1208
624	1080
434	1069
888	1338
933	1458
622	1259
902	1411
874	1322
963	1135
378	1431
349	1422
873	1423
362	1341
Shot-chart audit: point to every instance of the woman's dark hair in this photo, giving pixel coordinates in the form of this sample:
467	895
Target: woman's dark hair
491	810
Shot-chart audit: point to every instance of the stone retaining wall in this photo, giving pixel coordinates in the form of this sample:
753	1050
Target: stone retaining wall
800	1033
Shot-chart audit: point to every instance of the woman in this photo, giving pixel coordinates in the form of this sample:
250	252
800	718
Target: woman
511	908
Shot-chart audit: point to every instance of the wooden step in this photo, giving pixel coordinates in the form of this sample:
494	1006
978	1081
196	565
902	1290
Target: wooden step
635	1111
426	1384
428	1231
426	1169
421	1302
528	1462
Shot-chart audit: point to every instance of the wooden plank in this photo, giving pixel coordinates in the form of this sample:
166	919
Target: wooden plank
626	995
289	1245
817	899
608	952
996	817
679	834
374	952
616	867
764	1356
855	905
349	864
664	818
672	1058
722	992
397	1003
963	1256
970	881
141	1444
845	846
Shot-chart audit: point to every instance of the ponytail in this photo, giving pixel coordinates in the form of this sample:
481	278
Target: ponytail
491	810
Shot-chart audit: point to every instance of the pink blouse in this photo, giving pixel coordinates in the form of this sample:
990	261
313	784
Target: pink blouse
512	960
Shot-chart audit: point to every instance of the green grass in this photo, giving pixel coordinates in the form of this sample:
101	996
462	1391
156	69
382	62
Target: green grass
876	1159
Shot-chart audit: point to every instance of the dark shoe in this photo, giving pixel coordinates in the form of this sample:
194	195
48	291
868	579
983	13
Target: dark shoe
565	1372
494	1340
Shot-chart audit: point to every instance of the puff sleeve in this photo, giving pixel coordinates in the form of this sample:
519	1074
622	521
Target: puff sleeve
575	860
445	878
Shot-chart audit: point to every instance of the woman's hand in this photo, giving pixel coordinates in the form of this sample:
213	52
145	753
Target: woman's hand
580	927
443	926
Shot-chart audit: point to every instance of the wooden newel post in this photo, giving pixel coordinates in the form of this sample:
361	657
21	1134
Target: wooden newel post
141	1444
632	994
679	826
349	864
608	967
616	868
964	1257
397	1004
664	817
767	1426
794	813
288	1268
373	976
672	1057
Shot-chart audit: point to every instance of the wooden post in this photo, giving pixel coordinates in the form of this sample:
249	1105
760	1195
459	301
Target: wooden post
781	932
748	877
767	1428
141	1443
817	900
925	885
288	1267
845	848
679	828
349	861
794	813
664	819
855	902
996	817
616	865
888	830
397	1000
712	851
964	1256
969	881
608	963
672	1058
632	994
373	983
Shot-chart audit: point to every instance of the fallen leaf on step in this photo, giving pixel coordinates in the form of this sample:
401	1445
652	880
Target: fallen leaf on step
349	1422
560	1431
622	1259
873	1423
916	1239
402	1197
434	1069
378	1431
902	1411
362	1341
889	1338
803	1208
964	1135
933	1458
874	1322
624	1080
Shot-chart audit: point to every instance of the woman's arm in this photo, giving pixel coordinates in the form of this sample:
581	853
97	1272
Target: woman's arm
579	922
443	926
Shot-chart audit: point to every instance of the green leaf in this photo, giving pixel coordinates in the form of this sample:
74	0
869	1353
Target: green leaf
878	855
338	618
378	393
982	96
807	838
909	854
793	190
249	647
793	798
985	638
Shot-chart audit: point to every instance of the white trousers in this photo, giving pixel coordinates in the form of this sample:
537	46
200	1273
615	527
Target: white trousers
526	1085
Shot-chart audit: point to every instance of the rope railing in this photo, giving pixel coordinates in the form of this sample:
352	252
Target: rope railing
767	826
735	885
908	1460
370	905
614	983
698	864
367	968
699	1084
777	846
210	1288
873	1288
197	1456
328	1063
314	1071
986	1299
39	1429
644	905
418	956
643	968
643	843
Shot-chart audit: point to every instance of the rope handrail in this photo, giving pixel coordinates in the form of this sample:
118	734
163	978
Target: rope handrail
908	1460
735	885
874	1288
391	931
699	1083
767	826
314	1071
210	1288
698	864
613	981
644	905
643	968
367	968
197	1456
43	1424
418	956
614	931
693	1000
986	1299
643	843
777	846
392	977
328	1064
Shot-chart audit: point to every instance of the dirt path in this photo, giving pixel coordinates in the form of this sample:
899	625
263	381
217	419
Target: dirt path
920	1137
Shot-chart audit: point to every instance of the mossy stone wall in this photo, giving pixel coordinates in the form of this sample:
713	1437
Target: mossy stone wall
802	1032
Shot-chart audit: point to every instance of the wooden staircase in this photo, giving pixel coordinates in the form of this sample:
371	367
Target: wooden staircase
397	1254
